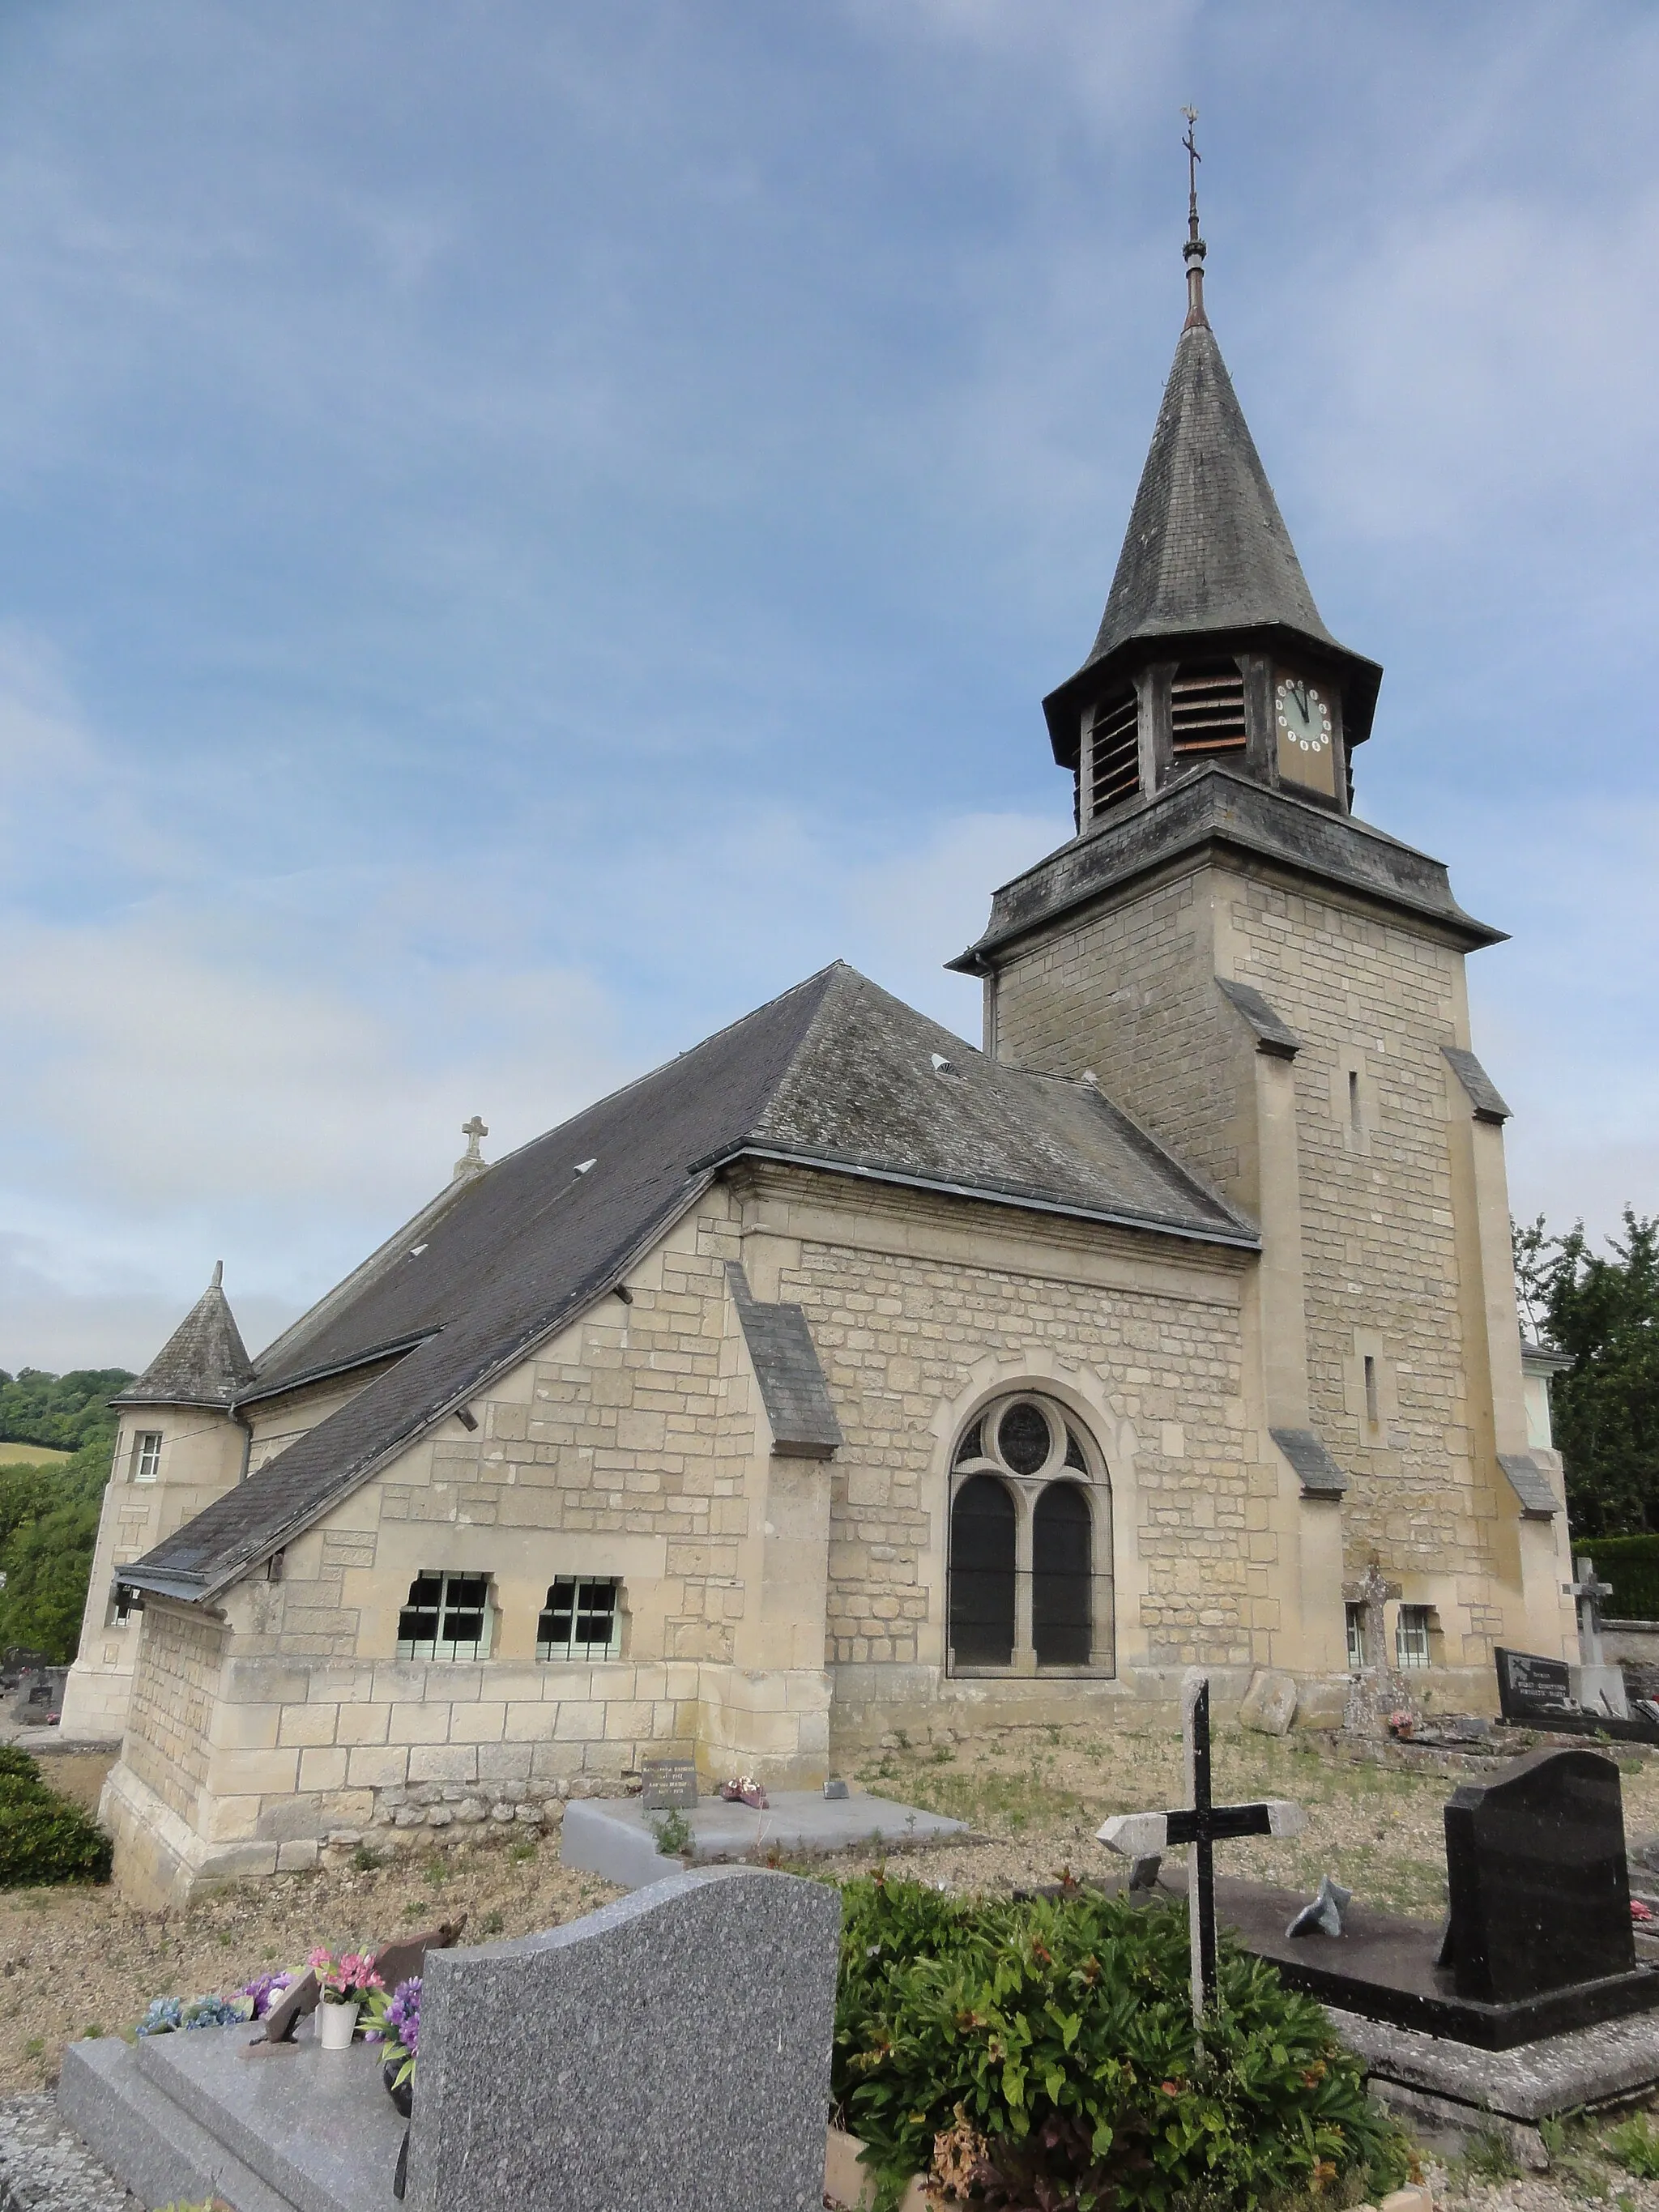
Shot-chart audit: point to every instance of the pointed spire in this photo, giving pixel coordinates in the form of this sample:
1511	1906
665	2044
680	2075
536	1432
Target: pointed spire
1207	555
204	1361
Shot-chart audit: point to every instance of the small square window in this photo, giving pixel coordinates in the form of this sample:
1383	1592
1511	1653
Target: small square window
581	1620
447	1617
1411	1635
146	1455
125	1601
1355	1616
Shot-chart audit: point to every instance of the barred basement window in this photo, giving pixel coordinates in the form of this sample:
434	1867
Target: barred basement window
1355	1617
1114	755
448	1617
146	1455
1206	708
581	1620
1411	1635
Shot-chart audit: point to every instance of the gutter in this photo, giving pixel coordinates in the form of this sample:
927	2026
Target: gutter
1239	1240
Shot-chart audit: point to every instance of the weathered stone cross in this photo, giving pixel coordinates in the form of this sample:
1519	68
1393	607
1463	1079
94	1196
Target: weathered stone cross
1203	1824
1586	1592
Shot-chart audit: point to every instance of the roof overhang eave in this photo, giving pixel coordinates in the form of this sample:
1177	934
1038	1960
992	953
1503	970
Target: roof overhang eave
1237	1239
327	1369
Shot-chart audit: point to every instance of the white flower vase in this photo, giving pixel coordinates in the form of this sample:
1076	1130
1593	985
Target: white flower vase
335	2025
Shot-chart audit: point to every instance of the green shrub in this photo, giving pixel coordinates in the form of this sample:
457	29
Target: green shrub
43	1837
1630	1564
1044	2053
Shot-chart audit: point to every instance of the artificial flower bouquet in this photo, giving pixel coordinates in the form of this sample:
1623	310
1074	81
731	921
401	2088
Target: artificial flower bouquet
350	1979
394	2021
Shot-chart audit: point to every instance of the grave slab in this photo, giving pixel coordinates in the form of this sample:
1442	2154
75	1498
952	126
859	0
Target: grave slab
1385	1965
668	2054
615	1837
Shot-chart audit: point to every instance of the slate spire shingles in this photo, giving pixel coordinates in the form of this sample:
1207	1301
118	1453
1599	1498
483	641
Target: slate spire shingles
835	1074
202	1363
1206	554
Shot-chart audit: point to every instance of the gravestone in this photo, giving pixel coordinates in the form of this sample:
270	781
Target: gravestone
1534	1690
668	1785
1598	1688
670	2053
1535	1870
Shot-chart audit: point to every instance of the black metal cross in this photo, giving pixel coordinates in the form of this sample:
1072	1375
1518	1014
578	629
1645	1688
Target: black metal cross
1203	1824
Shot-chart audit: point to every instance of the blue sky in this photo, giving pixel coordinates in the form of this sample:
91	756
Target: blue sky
526	528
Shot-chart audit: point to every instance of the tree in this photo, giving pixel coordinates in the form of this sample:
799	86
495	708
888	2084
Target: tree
48	1562
1603	1311
61	1412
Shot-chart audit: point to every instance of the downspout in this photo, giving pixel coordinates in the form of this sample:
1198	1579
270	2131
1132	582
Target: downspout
246	1428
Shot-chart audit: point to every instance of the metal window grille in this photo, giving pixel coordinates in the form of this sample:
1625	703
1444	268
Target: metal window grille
1411	1635
146	1455
581	1620
1355	1616
448	1617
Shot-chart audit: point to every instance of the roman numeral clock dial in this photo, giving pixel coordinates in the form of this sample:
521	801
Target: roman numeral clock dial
1302	714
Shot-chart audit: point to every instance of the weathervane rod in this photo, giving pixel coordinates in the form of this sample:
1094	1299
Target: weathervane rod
1192	252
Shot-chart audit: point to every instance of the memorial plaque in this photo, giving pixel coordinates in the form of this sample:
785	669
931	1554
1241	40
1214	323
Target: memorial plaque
1534	1689
670	1786
1535	1870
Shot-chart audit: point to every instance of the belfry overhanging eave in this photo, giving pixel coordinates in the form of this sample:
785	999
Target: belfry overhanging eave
1215	810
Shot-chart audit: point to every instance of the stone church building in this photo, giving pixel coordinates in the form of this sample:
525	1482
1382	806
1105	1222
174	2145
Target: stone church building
838	1378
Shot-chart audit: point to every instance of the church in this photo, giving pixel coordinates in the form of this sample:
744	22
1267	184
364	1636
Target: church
838	1378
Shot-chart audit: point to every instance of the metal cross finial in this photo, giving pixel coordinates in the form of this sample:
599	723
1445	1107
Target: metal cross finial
1193	157
1193	251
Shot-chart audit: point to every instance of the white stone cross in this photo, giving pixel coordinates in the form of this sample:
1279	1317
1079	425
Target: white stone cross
1585	1591
1202	1824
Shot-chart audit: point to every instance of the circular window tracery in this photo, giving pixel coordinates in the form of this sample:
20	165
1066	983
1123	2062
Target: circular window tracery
1025	1436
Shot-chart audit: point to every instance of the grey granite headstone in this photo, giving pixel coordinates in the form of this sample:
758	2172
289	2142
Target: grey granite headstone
670	2053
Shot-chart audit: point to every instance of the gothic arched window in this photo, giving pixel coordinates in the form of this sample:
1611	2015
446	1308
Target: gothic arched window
982	1577
1030	1567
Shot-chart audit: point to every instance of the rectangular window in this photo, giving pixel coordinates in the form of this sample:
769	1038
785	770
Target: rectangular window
1411	1635
1355	1616
581	1620
146	1455
1371	1414
1354	1117
448	1617
123	1602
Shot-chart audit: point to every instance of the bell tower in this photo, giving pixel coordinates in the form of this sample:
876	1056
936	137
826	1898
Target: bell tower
1276	991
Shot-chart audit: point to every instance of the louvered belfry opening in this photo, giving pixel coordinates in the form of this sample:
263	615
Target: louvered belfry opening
1206	708
1113	754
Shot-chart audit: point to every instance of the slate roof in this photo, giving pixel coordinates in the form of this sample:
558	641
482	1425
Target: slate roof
1531	1485
202	1363
1206	549
1273	1033
1483	1093
1317	1471
786	1363
834	1073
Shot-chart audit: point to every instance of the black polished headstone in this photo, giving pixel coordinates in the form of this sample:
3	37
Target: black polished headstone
1535	1870
1530	1688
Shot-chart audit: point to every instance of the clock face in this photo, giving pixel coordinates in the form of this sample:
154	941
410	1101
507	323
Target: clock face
1302	715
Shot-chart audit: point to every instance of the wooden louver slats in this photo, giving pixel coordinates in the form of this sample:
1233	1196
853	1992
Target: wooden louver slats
1113	754
1206	708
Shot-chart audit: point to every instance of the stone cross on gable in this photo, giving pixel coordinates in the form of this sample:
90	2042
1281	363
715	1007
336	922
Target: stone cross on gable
472	1161
1586	1592
1203	1824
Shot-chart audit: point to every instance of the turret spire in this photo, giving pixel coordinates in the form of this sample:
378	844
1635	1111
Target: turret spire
1195	249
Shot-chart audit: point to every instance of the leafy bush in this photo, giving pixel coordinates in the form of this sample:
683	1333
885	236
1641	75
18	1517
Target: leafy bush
43	1837
1042	2055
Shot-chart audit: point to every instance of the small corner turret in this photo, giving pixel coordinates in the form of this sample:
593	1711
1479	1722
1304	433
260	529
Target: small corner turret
1211	649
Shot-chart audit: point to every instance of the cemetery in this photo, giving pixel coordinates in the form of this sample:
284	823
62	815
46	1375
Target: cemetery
982	1995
